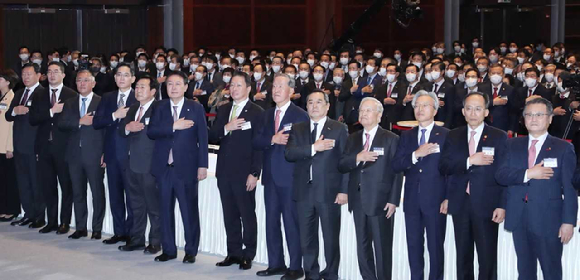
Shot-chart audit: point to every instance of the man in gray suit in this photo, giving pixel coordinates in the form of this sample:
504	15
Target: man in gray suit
85	154
142	187
319	188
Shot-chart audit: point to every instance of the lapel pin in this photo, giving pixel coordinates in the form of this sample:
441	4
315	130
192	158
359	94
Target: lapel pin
188	110
484	137
245	111
549	149
437	133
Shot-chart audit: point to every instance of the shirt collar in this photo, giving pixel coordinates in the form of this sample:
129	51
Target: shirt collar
540	139
284	108
478	129
498	86
242	103
373	131
58	88
429	127
146	106
32	88
88	97
126	93
320	123
178	104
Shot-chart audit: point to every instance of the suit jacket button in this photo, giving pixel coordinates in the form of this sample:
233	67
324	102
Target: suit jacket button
420	170
362	171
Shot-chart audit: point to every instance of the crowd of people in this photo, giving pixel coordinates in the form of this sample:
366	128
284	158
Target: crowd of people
319	130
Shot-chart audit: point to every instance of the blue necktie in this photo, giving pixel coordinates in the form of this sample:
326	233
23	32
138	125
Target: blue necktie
422	140
369	81
84	107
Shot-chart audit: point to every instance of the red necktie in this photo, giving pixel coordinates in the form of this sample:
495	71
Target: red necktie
390	90
141	114
277	121
24	97
531	158
258	87
494	93
479	80
318	85
367	142
410	90
530	93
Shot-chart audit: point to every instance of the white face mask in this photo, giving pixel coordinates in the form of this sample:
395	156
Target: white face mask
521	60
370	69
37	61
160	65
450	73
186	62
24	56
332	65
276	68
304	74
56	59
557	54
76	62
493	58
457	49
434	49
337	80
569	65
310	62
324	64
531	82
475	44
231	55
240	59
547	57
521	76
343	60
288	61
252	57
198	76
549	77
435	75
353	74
257	76
141	63
481	68
193	67
411	77
227	79
513	50
383	71
218	56
418	64
471	82
378	55
560	88
462	50
503	49
397	56
103	69
172	66
461	77
317	77
114	64
508	71
440	50
495	79
459	64
428	77
208	65
291	75
539	67
391	78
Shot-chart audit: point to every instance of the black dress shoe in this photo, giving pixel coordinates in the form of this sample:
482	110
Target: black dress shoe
47	229
246	264
152	249
7	219
37	224
229	261
189	258
272	271
21	222
96	235
131	247
78	234
164	257
116	239
292	274
63	229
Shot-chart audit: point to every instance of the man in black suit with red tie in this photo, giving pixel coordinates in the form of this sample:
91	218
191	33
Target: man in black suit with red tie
474	199
24	137
238	169
502	96
319	84
414	85
445	92
319	188
391	94
50	148
374	190
261	92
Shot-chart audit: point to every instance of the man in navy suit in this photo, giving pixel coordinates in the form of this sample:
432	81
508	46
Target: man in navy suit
200	87
541	202
474	199
502	96
179	162
532	86
278	180
352	92
238	169
110	113
418	156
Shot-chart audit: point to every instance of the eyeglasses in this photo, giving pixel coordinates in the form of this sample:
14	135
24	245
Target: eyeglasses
476	109
535	115
367	111
422	106
53	72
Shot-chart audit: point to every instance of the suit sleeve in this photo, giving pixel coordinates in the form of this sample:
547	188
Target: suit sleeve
68	121
8	115
344	93
256	155
295	151
348	158
570	206
103	117
216	132
342	139
397	184
157	129
130	116
40	110
202	137
500	151
403	158
506	174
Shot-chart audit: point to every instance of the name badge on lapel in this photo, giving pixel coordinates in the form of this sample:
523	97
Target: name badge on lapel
246	126
288	127
441	95
3	106
29	103
436	149
394	95
146	121
488	151
504	97
551	162
379	151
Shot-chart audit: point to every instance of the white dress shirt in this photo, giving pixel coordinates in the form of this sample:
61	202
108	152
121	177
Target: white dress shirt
320	123
539	145
429	128
30	91
476	137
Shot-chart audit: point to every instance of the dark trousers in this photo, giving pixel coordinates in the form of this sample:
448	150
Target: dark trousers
28	188
279	203
531	247
144	196
470	228
310	214
122	217
80	173
377	231
170	188
239	207
52	165
417	222
9	198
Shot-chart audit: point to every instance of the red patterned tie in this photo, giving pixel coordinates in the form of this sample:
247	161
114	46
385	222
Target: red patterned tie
277	121
367	142
494	93
25	97
390	90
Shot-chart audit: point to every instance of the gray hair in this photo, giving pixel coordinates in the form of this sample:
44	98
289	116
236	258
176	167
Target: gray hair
291	82
541	100
326	98
372	99
425	93
88	72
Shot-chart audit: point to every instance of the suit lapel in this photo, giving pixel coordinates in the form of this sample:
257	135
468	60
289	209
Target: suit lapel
184	109
244	111
544	149
376	141
415	135
93	106
482	139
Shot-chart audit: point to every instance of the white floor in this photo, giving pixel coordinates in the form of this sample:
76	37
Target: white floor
26	254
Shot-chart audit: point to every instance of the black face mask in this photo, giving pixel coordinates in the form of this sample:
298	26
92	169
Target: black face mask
95	69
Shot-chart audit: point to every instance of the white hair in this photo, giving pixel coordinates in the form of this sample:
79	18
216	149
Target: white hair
425	93
378	103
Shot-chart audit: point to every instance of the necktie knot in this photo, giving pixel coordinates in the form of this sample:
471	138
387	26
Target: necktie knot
422	140
534	142
367	142
175	116
84	99
121	102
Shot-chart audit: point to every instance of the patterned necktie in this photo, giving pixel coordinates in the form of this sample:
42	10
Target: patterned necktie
494	93
84	107
258	87
140	114
53	97
410	90
121	103
532	154
367	142
277	121
471	151
529	92
390	90
175	118
24	97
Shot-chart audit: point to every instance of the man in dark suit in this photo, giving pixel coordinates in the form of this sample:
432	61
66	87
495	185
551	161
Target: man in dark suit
391	94
84	155
238	169
413	86
200	87
461	91
110	113
500	114
141	185
418	156
261	92
474	199
319	188
50	147
24	137
565	105
353	90
531	87
179	162
374	190
542	204
445	92
278	180
319	84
